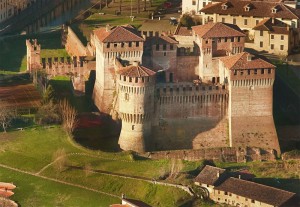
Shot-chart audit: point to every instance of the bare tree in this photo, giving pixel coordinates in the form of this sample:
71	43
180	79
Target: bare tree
68	115
60	160
6	115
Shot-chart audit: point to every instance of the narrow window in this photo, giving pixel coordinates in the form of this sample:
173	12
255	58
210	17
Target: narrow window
132	127
115	45
223	20
164	46
272	37
165	54
108	45
137	44
157	47
245	21
234	21
272	46
130	44
282	37
255	71
261	32
261	44
257	21
281	47
171	47
262	71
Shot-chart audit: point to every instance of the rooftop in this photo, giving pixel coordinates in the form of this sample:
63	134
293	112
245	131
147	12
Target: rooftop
257	9
210	175
272	25
242	61
136	70
255	191
125	33
218	29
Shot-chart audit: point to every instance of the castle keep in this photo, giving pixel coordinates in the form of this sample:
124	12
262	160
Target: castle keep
210	94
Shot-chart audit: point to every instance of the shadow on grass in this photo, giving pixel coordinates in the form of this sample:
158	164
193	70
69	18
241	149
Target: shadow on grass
291	185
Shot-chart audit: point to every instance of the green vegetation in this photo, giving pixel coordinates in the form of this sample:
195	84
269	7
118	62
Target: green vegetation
34	191
13	50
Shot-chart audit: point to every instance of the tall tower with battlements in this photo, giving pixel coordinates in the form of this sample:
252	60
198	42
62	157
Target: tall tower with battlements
33	55
216	40
122	42
136	85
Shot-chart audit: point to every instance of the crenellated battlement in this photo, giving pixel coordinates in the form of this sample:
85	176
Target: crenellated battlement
136	118
33	45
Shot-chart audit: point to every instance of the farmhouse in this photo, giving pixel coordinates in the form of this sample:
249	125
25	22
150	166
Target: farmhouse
281	17
221	187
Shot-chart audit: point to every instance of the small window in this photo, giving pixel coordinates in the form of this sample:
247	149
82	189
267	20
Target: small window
130	44
255	71
261	44
165	54
204	4
261	33
218	192
242	72
132	127
164	46
115	45
235	72
171	47
249	72
282	37
126	96
272	46
245	21
225	193
257	21
206	41
230	194
194	2
108	45
269	71
239	39
122	44
272	37
234	21
223	20
137	44
252	201
225	39
232	39
281	47
262	71
157	46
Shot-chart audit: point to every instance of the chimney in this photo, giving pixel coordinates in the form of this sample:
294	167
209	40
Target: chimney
107	28
249	57
240	177
135	63
273	21
218	174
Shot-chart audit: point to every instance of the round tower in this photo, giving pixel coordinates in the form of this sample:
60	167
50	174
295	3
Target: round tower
136	85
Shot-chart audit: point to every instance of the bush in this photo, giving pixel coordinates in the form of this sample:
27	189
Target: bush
48	114
187	21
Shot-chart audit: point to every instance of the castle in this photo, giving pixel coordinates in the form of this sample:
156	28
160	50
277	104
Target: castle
207	93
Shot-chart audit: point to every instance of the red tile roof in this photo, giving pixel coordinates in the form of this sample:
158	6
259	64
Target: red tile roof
255	191
118	34
240	61
136	203
273	26
164	39
183	31
217	30
258	9
136	71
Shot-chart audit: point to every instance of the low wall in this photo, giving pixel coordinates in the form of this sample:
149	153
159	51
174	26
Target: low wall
225	154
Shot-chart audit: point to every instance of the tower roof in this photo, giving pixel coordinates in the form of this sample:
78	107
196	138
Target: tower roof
136	70
218	29
245	60
125	33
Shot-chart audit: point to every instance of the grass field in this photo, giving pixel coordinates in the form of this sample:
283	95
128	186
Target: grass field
13	50
32	191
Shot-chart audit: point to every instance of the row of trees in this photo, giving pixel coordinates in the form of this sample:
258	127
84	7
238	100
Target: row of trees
51	111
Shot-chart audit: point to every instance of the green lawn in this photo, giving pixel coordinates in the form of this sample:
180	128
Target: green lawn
33	191
13	50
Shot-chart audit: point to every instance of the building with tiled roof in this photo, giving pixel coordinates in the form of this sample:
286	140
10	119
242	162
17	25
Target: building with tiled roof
226	189
250	15
275	36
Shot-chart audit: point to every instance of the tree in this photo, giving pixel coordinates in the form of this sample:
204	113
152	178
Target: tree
48	95
187	21
68	116
48	113
6	115
60	160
